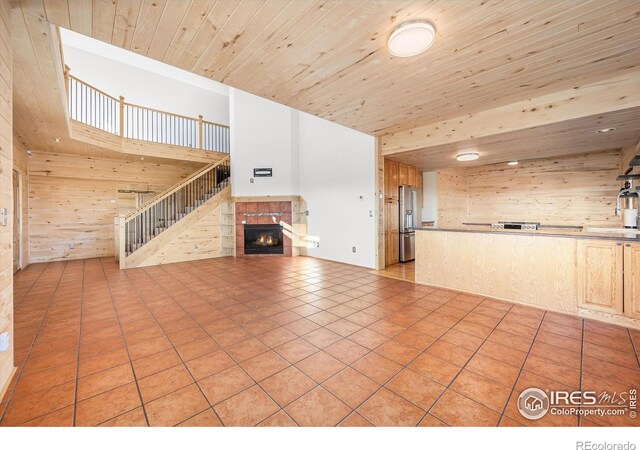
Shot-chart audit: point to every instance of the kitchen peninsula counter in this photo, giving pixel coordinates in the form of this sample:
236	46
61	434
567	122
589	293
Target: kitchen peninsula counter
549	232
578	272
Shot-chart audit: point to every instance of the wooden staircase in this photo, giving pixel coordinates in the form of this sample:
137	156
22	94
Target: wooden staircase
143	231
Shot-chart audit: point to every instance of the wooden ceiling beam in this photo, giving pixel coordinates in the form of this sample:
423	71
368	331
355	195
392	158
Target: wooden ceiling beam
618	93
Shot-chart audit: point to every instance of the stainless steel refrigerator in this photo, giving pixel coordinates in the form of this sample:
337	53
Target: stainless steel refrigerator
408	206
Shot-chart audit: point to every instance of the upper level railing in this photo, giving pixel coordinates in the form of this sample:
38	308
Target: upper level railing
98	109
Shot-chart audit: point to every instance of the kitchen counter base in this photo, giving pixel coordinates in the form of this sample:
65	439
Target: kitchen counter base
537	270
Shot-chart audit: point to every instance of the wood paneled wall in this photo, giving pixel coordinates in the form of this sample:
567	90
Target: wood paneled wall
395	175
573	190
21	165
626	155
452	197
6	192
74	199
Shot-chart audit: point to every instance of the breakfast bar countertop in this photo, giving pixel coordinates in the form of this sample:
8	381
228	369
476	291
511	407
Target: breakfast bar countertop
550	232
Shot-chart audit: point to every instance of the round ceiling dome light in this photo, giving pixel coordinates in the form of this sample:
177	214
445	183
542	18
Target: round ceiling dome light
470	156
513	163
605	130
411	39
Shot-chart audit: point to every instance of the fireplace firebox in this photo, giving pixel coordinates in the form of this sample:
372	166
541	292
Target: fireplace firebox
263	240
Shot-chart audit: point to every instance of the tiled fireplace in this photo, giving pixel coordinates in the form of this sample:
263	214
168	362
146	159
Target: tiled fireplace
262	241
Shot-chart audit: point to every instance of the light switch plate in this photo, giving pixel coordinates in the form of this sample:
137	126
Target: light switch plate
4	342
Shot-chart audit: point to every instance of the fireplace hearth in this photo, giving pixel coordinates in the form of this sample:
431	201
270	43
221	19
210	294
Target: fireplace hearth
263	240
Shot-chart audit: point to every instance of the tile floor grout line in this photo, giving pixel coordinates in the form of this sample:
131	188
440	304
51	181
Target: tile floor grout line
75	394
126	345
309	356
320	384
224	350
26	359
406	366
346	365
142	297
521	370
448	386
383	385
300	280
30	287
633	345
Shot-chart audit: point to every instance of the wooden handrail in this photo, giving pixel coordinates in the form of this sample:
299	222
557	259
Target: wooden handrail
180	133
77	80
195	119
175	188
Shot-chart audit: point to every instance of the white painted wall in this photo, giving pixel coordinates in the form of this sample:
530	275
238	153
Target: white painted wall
332	167
172	93
337	180
262	135
430	196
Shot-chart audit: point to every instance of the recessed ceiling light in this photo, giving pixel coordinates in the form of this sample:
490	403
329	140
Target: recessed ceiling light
470	156
513	163
605	130
411	39
57	139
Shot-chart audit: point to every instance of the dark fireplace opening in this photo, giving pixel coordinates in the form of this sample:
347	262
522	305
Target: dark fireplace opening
263	240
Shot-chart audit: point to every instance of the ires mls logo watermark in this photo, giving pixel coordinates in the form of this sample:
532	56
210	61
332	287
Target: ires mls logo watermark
534	403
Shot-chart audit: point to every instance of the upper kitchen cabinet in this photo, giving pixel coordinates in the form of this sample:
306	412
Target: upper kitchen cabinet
600	275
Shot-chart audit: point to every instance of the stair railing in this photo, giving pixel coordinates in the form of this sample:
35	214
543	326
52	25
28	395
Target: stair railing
93	107
163	211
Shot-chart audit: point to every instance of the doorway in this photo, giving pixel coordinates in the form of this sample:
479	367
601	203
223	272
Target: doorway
17	220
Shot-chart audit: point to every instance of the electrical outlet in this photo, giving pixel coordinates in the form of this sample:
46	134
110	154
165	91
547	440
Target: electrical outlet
72	245
4	342
353	249
250	180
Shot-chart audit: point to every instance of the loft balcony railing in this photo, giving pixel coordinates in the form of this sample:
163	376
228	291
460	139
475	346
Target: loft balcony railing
98	109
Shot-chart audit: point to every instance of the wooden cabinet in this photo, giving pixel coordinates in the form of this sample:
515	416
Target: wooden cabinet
396	174
403	174
632	279
600	276
391	236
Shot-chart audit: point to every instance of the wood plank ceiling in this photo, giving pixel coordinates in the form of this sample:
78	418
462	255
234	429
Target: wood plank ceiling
329	57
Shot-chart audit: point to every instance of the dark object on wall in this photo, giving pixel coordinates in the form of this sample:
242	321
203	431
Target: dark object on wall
635	161
263	172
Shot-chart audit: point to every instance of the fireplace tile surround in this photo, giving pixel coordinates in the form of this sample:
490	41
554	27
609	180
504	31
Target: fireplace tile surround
262	213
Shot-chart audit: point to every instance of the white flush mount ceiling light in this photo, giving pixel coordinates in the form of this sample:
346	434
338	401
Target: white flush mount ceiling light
605	130
513	163
469	156
411	39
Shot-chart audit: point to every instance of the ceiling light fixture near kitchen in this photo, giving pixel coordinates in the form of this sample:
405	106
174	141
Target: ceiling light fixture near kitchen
411	39
57	140
470	156
513	163
605	130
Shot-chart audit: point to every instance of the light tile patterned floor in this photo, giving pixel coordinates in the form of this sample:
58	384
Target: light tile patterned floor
289	341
